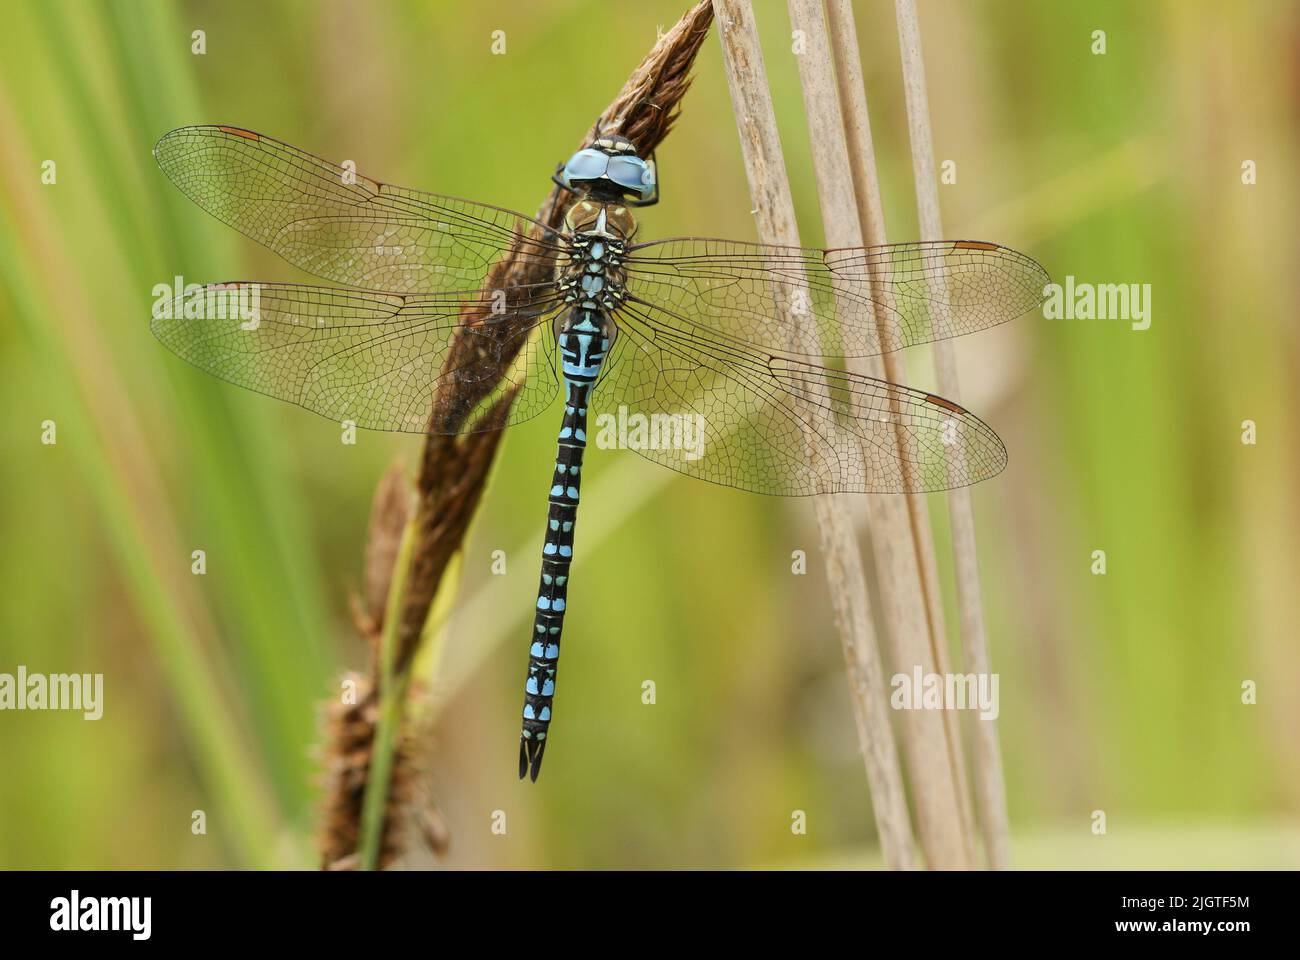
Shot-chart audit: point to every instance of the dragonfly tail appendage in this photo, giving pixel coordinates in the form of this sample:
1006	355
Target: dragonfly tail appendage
530	756
583	350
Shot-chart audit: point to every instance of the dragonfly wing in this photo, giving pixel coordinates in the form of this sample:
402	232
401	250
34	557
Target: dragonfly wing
861	301
375	359
778	424
339	225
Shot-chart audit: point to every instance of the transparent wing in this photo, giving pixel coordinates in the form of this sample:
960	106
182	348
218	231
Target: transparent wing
862	301
340	225
730	414
373	358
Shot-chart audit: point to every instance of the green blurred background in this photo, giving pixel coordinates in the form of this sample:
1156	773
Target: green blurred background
1119	693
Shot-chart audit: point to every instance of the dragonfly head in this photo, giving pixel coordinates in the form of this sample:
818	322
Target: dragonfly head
609	169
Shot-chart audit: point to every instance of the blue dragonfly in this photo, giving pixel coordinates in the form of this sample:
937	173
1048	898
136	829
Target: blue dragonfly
723	356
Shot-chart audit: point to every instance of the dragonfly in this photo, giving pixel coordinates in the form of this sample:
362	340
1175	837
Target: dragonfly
722	360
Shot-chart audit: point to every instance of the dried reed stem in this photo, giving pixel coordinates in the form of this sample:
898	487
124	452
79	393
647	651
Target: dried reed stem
871	218
454	466
989	787
936	789
770	189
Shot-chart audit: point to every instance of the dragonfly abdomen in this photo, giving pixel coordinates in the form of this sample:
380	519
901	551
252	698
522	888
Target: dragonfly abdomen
583	342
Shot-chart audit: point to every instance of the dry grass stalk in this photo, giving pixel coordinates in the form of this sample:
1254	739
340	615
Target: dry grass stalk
989	787
390	510
454	467
350	726
937	789
871	219
769	186
350	732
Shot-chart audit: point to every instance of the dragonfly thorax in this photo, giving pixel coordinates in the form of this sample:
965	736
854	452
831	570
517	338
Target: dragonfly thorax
593	277
592	216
